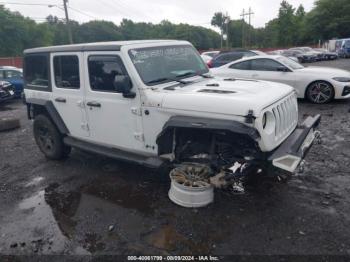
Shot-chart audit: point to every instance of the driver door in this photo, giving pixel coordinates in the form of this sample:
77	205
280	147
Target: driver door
110	115
269	70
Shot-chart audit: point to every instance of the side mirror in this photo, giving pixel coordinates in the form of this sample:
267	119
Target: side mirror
122	84
282	69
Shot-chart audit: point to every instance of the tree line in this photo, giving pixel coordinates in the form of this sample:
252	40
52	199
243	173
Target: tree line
329	19
293	26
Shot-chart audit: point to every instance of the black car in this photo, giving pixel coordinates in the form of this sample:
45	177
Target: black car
327	55
226	57
6	91
303	57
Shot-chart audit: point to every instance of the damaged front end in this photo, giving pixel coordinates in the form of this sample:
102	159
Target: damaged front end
229	149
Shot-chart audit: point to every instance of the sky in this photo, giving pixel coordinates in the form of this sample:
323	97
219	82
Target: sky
194	12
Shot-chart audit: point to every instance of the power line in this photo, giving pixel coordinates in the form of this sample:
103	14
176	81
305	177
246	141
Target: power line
32	4
81	12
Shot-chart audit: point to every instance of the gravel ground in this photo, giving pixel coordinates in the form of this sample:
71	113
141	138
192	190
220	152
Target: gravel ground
90	204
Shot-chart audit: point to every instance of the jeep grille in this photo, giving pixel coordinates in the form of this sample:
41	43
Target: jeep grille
286	116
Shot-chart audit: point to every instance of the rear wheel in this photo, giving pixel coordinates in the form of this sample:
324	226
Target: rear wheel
320	92
49	139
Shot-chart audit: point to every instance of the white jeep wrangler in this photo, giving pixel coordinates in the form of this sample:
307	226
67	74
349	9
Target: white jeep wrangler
154	102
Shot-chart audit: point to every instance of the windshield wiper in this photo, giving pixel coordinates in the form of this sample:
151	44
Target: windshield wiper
163	79
189	73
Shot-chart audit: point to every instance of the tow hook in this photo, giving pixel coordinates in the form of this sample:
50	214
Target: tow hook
318	138
302	166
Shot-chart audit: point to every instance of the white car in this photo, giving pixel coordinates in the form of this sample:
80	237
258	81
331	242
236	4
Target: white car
153	102
318	84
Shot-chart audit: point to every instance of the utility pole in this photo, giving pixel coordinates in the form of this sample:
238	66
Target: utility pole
68	22
227	20
243	16
250	12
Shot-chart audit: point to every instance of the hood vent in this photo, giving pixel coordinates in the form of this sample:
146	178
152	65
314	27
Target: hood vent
215	91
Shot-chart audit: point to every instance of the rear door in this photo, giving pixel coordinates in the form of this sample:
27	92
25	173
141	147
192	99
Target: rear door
68	91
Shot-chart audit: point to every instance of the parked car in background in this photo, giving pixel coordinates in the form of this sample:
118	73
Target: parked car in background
344	50
296	56
304	56
327	55
317	84
319	55
275	52
210	53
14	76
206	58
6	91
225	57
258	52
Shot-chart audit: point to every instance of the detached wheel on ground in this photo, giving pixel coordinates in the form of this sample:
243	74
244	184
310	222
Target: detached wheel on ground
49	139
9	124
320	92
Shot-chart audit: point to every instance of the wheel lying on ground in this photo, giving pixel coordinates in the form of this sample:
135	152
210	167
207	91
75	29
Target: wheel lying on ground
49	139
9	123
320	92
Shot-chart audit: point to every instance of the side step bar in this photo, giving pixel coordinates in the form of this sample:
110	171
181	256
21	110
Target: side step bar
151	162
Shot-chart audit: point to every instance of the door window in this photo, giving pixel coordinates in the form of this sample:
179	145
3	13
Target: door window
246	65
264	65
102	71
66	71
13	74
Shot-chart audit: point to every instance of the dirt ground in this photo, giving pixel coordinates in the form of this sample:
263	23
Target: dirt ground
90	204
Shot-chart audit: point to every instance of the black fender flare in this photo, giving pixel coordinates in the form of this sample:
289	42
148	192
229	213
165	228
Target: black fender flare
202	124
51	111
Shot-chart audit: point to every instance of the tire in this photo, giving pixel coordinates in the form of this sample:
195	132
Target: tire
9	124
49	139
320	92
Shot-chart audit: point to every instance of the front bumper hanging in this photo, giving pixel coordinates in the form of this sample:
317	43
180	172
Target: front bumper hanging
291	152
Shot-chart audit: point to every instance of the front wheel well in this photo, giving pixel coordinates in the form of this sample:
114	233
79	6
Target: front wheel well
217	147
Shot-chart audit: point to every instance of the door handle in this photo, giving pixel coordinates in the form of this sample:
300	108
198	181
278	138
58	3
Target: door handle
93	103
255	75
60	100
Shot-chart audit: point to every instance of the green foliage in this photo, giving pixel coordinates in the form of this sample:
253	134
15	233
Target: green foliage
293	26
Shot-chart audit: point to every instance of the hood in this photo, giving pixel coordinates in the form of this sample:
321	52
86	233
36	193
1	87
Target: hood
225	97
325	71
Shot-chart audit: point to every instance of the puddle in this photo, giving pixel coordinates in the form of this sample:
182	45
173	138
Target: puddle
35	181
169	239
32	228
64	206
139	196
92	242
33	201
166	238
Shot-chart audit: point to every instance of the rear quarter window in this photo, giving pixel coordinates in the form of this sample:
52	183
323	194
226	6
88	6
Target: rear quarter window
37	71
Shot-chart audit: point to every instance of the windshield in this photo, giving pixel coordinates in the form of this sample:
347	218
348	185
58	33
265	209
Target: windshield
165	63
289	62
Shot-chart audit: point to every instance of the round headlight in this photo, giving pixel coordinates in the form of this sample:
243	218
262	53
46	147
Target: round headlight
268	122
264	120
